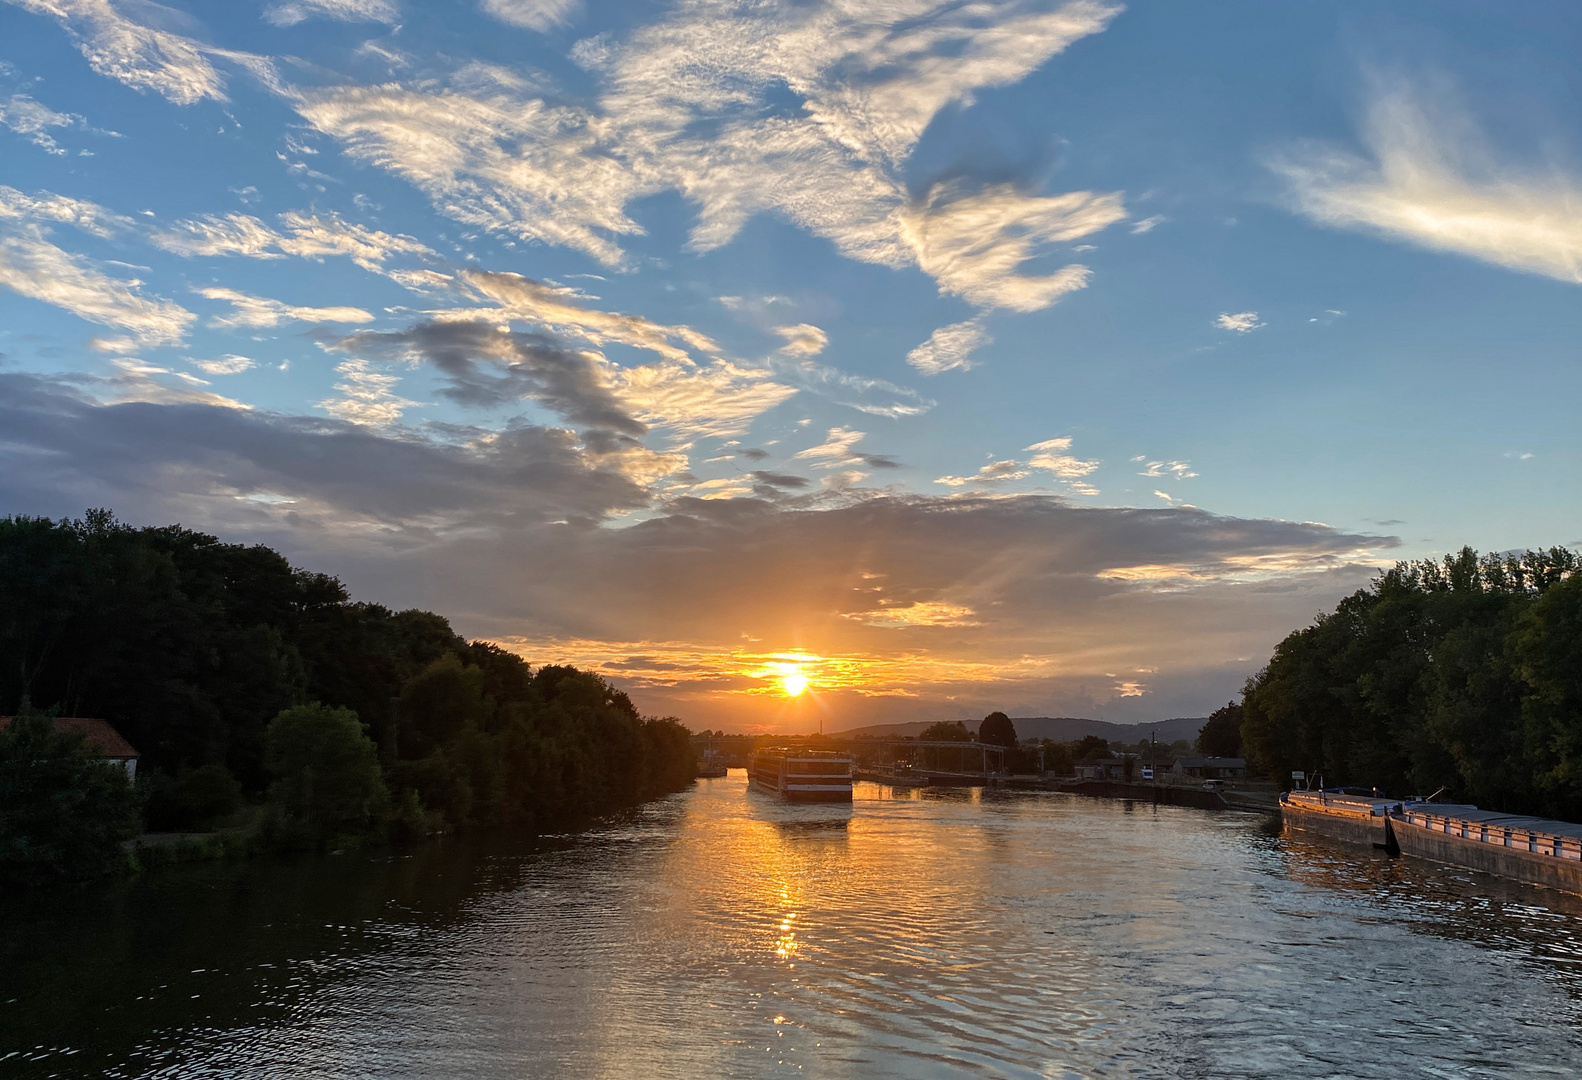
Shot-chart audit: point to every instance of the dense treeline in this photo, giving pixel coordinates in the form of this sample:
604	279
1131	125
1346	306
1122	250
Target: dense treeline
220	663
1464	674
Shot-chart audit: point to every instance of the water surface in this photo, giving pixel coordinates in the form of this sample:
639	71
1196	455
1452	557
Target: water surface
723	933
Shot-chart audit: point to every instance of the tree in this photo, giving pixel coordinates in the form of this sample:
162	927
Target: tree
1221	735
1058	758
1548	650
64	809
200	652
195	800
1090	747
997	730
1459	674
946	731
326	771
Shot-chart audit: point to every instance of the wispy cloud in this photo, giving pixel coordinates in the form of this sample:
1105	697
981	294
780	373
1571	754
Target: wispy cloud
1434	181
1148	224
1181	470
260	311
997	472
220	234
531	14
491	154
366	395
491	151
950	348
34	267
719	399
565	311
46	206
1241	322
1053	455
230	364
803	339
308	236
136	380
32	120
291	12
838	450
141	56
975	244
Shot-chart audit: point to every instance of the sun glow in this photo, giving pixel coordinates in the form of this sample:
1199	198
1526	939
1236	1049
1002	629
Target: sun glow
793	683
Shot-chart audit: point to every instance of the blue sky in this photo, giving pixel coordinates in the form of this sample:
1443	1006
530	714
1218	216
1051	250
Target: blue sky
1049	356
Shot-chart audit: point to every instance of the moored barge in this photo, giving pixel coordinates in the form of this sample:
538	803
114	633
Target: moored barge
803	775
1535	850
1338	815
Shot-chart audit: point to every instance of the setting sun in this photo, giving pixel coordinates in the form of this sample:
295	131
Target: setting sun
793	683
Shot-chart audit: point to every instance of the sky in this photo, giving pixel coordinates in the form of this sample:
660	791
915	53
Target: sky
1053	357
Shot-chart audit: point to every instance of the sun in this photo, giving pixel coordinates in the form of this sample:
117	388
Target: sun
793	683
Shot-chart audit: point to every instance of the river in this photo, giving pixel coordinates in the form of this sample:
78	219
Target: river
720	933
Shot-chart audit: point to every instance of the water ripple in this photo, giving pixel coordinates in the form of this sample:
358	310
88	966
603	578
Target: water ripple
719	933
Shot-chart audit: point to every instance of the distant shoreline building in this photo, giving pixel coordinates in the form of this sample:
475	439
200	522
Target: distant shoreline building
1211	768
99	735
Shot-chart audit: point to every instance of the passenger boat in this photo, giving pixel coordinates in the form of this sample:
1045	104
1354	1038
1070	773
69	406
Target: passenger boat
803	775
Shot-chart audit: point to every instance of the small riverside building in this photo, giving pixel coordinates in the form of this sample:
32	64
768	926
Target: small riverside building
1211	768
1106	768
99	735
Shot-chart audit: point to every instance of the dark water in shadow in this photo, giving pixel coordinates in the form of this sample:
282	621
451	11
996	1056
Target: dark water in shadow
720	933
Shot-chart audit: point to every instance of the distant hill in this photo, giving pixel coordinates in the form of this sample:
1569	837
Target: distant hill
1058	728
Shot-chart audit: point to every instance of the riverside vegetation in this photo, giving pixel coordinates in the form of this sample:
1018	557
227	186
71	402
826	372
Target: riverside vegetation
261	696
1463	674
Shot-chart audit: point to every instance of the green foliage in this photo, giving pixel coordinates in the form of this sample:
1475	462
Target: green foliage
188	645
1547	656
64	809
206	657
1090	748
196	800
997	730
946	731
1460	674
326	772
1058	758
1221	735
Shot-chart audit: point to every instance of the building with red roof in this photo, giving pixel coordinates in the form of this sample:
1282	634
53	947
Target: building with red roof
99	735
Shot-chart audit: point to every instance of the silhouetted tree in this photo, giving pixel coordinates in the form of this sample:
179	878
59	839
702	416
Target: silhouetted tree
997	730
326	771
1090	747
1221	735
946	731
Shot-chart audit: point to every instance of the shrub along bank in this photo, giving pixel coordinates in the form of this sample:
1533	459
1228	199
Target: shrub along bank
258	691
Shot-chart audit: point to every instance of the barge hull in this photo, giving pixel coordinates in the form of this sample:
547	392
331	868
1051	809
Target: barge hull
1520	863
1361	829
